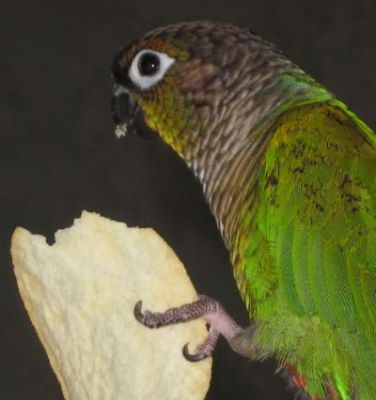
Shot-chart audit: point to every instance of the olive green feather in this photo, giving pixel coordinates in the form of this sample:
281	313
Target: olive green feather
316	216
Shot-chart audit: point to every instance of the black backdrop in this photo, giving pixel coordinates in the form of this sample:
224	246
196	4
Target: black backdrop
58	154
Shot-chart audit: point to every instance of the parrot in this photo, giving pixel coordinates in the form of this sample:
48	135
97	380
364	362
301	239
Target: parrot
289	173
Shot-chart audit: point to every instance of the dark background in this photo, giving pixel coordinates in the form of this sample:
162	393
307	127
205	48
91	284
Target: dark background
58	154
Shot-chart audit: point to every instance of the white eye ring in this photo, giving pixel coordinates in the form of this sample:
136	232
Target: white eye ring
145	82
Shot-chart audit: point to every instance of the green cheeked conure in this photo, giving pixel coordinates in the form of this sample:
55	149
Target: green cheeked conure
289	173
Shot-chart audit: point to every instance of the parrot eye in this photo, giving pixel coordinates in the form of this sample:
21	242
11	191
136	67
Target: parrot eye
149	67
148	64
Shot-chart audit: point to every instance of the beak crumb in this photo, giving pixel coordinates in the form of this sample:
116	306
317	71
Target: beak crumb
121	130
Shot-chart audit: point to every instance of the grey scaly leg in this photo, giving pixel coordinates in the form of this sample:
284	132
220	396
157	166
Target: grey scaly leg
218	319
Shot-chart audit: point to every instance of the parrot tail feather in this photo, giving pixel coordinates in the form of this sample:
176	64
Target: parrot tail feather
298	385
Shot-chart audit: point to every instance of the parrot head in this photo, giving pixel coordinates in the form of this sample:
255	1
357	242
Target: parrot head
190	80
196	81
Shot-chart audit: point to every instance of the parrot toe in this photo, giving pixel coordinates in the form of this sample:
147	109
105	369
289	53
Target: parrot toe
205	349
147	318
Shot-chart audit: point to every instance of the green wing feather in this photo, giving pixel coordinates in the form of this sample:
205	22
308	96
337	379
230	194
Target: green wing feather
317	220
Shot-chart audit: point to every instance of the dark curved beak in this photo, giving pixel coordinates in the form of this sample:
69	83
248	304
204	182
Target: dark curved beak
124	110
127	116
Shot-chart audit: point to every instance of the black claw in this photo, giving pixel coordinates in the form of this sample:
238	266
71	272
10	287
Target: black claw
137	312
193	357
146	318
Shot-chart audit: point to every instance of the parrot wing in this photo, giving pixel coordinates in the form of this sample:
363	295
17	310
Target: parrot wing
320	217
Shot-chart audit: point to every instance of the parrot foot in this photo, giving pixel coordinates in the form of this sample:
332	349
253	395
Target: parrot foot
220	322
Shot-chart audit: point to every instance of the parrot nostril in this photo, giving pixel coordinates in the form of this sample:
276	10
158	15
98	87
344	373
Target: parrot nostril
116	68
